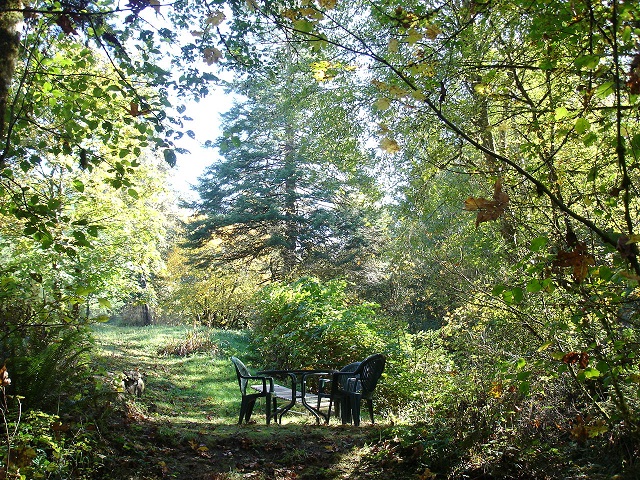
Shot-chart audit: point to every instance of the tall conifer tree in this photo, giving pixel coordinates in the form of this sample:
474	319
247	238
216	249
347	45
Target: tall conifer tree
288	189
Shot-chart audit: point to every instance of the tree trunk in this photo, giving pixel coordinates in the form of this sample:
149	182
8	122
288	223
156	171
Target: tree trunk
10	17
290	205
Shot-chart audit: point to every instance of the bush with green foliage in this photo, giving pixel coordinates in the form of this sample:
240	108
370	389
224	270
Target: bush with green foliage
40	445
309	323
48	361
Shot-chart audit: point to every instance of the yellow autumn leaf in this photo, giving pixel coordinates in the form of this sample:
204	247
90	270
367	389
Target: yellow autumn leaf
635	238
155	4
252	5
383	128
433	31
379	85
212	55
496	390
311	13
328	4
397	92
425	69
290	14
389	145
216	18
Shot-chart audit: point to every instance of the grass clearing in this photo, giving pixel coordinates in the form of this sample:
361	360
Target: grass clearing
185	423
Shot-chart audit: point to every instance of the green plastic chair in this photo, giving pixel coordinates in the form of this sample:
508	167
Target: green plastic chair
354	383
250	395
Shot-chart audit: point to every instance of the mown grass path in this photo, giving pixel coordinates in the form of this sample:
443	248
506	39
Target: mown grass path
185	424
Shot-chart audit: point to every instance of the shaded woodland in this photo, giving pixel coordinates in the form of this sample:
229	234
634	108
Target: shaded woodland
451	183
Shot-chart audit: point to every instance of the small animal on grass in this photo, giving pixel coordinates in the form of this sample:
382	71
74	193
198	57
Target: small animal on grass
133	383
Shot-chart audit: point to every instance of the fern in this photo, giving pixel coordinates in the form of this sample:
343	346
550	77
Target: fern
52	366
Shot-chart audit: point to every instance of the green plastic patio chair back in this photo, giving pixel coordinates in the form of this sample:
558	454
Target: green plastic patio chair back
250	395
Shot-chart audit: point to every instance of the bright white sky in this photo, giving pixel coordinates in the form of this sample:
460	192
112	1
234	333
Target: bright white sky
205	123
206	126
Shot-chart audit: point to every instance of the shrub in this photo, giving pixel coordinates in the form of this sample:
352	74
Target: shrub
312	324
49	363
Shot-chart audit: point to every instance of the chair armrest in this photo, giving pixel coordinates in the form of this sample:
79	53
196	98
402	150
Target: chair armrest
262	378
342	381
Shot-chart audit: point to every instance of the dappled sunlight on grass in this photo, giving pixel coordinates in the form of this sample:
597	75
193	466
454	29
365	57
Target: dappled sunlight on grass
188	415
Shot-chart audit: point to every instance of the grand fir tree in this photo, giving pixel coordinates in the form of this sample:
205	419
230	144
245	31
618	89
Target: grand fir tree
291	188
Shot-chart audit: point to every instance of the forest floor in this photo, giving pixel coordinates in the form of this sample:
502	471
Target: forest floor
184	426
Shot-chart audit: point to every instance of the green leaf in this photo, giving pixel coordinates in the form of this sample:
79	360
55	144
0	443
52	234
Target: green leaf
78	185
605	273
635	145
518	294
582	125
545	345
605	89
498	289
520	364
170	157
105	303
591	372
523	375
534	285
538	243
589	139
132	193
83	291
587	61
304	26
561	112
81	238
547	64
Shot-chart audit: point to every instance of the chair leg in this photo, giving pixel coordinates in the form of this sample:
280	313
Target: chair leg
242	409
345	410
355	409
268	402
249	410
370	402
275	409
